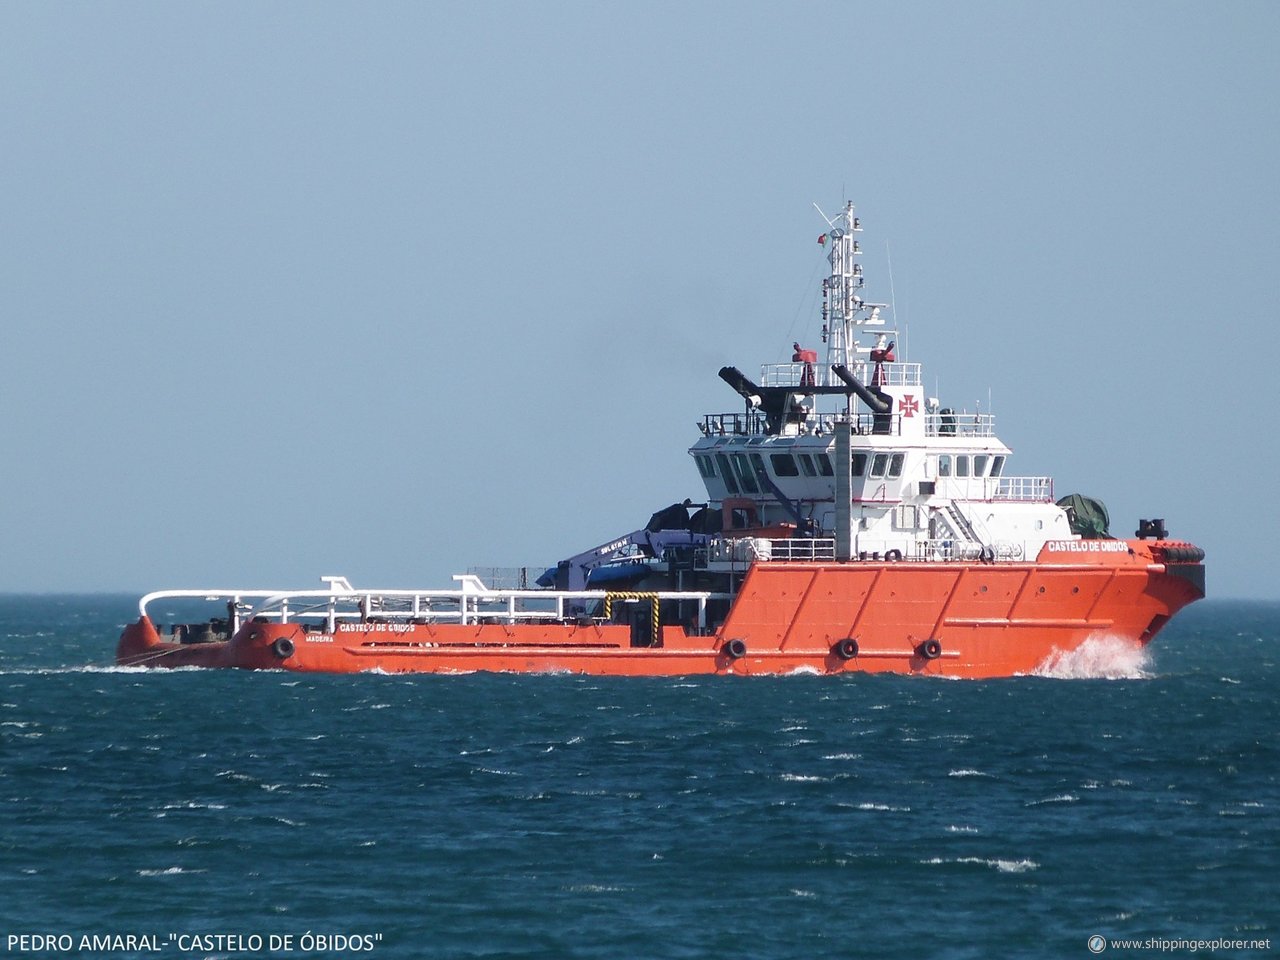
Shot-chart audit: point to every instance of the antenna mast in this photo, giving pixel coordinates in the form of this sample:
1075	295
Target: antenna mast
843	309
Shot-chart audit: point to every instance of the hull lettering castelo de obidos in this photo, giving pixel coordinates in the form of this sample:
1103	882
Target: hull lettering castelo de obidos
850	523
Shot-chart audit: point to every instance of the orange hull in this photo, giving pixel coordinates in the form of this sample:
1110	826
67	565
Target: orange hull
947	619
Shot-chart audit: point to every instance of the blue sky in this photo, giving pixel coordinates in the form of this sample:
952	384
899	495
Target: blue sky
390	290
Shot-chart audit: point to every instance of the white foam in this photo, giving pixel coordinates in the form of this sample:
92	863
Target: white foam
1098	658
1003	866
1060	798
966	772
883	808
803	671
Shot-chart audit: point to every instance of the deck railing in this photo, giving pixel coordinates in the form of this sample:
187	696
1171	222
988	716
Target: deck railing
793	374
959	423
1037	489
471	603
741	553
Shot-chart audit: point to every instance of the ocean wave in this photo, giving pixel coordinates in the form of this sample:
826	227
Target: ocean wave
1003	866
89	668
1060	798
803	671
1097	658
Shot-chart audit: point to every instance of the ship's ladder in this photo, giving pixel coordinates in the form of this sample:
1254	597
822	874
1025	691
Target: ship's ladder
960	524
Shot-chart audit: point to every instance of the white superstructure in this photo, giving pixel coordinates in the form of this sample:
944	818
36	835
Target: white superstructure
926	482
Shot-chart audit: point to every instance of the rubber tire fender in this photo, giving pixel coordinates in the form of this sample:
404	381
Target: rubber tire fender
734	649
845	649
930	649
282	647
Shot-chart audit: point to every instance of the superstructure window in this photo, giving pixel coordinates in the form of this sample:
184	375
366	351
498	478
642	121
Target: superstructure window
824	464
895	465
878	464
859	465
784	465
962	466
944	465
980	466
705	466
745	476
997	466
806	464
726	472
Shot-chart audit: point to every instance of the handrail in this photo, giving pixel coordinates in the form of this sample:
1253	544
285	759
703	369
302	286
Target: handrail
210	595
892	373
1024	488
470	603
959	423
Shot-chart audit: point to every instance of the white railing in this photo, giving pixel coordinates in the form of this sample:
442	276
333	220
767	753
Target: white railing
959	423
1036	489
742	552
471	603
803	548
792	374
942	550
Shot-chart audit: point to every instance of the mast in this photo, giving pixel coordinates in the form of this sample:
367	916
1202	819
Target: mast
843	308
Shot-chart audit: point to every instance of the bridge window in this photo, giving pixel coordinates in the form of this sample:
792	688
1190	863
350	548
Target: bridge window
878	464
944	465
824	464
997	466
962	466
706	466
745	476
859	465
726	472
980	466
895	465
784	465
806	464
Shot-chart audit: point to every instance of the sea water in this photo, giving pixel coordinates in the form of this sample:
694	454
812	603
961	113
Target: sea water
237	814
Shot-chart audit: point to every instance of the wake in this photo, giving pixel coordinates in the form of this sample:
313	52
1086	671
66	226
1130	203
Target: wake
1098	658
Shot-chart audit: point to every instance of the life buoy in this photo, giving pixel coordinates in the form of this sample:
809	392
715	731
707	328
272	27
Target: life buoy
930	649
845	649
282	647
734	649
893	555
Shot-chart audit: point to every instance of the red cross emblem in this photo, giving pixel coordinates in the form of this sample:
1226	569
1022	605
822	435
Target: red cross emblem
908	406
